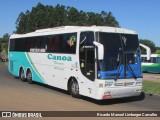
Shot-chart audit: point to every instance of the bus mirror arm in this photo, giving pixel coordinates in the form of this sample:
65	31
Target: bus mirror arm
100	50
148	51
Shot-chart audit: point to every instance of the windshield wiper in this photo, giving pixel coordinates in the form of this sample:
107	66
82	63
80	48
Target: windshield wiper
128	65
118	74
118	66
131	71
123	44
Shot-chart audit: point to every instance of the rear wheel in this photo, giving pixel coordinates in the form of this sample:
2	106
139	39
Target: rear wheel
22	75
74	88
29	77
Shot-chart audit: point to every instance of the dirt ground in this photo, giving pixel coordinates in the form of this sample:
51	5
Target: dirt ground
151	77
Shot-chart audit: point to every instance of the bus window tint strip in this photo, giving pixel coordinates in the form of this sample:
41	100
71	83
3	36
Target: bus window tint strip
61	43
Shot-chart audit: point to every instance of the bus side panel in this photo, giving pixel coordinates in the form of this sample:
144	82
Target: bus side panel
21	59
14	63
54	68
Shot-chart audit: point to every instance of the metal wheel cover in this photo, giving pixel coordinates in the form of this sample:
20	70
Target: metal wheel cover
75	88
29	76
22	74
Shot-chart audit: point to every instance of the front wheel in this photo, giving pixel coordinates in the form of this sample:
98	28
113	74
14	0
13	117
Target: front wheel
29	77
74	88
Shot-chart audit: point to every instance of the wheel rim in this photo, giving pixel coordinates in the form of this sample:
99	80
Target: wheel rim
75	88
22	74
29	76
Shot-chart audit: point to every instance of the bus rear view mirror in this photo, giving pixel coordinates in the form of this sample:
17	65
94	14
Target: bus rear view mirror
148	51
100	50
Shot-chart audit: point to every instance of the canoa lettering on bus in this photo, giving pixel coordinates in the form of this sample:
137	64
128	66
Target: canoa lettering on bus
63	58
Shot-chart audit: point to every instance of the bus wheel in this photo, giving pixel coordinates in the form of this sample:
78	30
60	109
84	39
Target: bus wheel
74	88
29	77
22	75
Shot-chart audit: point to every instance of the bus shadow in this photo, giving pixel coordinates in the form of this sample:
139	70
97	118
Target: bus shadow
98	102
52	88
44	85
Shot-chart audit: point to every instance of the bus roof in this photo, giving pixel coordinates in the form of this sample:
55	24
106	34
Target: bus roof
68	29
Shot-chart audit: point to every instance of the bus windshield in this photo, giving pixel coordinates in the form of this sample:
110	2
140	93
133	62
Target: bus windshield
120	55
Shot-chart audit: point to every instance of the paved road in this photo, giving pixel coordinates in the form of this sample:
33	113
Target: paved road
18	96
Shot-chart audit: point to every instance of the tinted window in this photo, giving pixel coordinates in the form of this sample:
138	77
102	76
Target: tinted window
113	49
87	55
144	59
69	43
158	60
54	43
12	45
18	44
63	43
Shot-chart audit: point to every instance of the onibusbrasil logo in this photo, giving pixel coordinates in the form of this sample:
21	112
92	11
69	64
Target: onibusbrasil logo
61	58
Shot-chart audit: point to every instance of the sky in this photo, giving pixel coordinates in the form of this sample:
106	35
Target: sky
139	15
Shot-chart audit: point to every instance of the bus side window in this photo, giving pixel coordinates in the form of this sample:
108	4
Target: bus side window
69	43
40	44
28	45
158	60
50	43
87	55
58	43
12	45
153	60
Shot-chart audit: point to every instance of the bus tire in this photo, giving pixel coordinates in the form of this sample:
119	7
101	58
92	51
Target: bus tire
74	88
29	77
22	75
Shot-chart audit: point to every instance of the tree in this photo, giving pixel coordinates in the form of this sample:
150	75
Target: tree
73	16
110	20
148	43
21	23
0	47
42	16
158	48
4	42
5	38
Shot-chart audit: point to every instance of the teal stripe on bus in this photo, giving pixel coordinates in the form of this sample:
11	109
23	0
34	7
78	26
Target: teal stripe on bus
21	59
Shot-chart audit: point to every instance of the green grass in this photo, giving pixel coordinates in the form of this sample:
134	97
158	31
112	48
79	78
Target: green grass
1	62
151	87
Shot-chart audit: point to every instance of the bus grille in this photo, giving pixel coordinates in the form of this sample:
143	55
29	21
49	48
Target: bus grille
118	84
124	84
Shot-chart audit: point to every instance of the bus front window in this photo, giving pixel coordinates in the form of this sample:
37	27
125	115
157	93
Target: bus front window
87	55
121	56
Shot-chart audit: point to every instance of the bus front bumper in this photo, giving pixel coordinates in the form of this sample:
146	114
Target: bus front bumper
120	92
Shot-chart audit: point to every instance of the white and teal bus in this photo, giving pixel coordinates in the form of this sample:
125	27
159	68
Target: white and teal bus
152	65
97	62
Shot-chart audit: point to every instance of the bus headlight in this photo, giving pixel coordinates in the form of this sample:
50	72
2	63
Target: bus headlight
101	85
139	83
107	92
